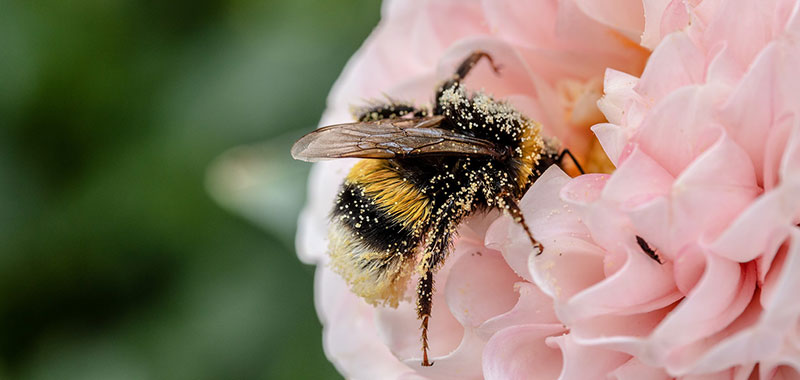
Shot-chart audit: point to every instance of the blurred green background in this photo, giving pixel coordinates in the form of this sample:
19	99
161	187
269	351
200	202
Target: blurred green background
147	198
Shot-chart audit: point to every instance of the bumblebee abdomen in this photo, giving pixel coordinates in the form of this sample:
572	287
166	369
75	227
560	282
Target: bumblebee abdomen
363	217
378	276
376	227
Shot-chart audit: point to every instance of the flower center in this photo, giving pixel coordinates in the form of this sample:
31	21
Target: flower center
579	101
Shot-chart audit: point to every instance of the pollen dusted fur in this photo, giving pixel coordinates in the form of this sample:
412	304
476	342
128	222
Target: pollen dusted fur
392	193
422	174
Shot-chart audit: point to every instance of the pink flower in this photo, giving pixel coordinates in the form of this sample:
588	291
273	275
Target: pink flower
707	150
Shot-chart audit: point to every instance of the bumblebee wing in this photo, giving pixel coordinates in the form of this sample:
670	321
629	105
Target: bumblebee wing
390	138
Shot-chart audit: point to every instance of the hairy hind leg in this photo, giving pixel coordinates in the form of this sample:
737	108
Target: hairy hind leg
433	256
424	306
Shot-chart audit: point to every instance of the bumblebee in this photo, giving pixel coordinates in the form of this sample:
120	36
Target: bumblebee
422	172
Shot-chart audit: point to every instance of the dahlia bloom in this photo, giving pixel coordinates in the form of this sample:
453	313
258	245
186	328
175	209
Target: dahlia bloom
705	140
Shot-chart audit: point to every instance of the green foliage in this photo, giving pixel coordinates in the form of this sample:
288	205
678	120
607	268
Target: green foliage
115	262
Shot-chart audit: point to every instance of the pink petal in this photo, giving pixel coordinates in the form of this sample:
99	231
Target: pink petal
566	266
624	333
653	13
409	26
716	187
463	363
780	290
638	180
776	371
535	30
347	313
738	346
618	93
514	77
584	189
744	371
788	16
654	224
787	101
542	206
721	375
612	138
640	286
689	268
400	329
578	31
554	65
790	162
741	348
330	291
520	352
312	227
774	155
723	67
633	369
719	297
680	127
533	307
712	191
744	25
610	230
758	92
661	18
547	217
676	62
514	247
761	228
675	17
416	90
703	12
624	15
583	362
411	375
480	286
472	231
471	21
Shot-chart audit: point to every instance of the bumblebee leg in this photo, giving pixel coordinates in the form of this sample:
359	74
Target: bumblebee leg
424	305
390	110
511	206
433	256
467	65
566	152
461	72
